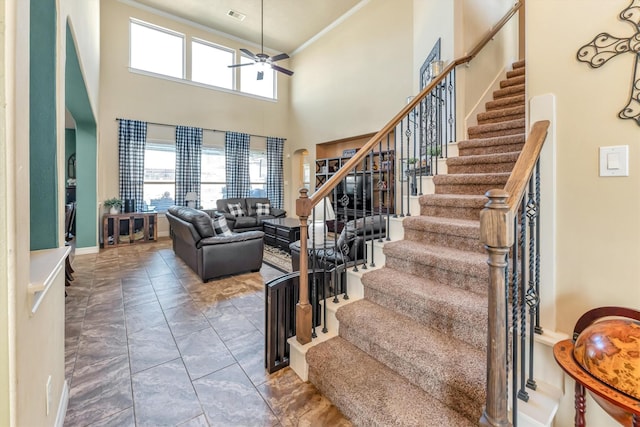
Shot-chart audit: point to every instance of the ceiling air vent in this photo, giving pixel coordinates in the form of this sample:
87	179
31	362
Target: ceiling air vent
236	15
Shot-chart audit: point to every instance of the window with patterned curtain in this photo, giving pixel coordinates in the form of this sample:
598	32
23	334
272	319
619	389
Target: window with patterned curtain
132	137
275	191
236	148
188	160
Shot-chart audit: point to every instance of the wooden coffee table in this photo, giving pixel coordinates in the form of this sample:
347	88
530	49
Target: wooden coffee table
280	232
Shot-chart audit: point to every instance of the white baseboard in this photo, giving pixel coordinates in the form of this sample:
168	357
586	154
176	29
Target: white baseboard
62	405
88	250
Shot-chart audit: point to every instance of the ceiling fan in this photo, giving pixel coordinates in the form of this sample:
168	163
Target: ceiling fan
262	58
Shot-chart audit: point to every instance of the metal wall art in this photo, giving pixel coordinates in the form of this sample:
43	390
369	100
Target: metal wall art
605	46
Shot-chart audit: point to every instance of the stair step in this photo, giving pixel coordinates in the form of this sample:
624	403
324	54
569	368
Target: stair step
483	163
518	64
516	72
469	183
502	115
510	127
449	310
462	269
420	354
371	394
506	102
512	81
494	145
454	233
509	91
460	206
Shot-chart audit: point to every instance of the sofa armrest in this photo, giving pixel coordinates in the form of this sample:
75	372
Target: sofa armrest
236	237
278	213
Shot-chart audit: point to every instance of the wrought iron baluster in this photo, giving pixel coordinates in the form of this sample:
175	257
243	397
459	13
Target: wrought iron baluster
402	163
408	133
532	296
515	298
364	214
391	194
522	393
538	328
381	181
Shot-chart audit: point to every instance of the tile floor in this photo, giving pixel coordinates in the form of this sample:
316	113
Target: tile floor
149	344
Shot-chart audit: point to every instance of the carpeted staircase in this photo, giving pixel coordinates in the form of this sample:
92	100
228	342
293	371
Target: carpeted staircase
413	351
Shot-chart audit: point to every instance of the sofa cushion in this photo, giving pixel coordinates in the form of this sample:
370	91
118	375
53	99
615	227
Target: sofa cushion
220	226
199	219
236	210
251	203
263	209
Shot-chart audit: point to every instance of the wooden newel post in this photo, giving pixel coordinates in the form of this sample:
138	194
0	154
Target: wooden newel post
303	308
497	234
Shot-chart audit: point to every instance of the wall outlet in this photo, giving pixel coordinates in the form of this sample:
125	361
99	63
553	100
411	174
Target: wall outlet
48	396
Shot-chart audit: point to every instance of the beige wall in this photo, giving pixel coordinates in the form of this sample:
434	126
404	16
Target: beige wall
598	230
136	96
354	79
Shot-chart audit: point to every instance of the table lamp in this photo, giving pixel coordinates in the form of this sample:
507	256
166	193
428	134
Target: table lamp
320	214
191	198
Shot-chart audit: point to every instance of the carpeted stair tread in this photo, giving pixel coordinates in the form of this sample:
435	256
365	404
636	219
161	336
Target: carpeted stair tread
509	91
506	102
516	72
456	233
508	127
371	394
451	311
418	353
495	145
482	163
461	206
518	64
502	115
512	81
469	183
452	267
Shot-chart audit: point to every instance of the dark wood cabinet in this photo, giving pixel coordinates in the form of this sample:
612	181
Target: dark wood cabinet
369	188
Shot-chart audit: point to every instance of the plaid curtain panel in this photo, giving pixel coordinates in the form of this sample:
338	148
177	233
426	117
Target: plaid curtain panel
188	155
236	152
132	136
275	192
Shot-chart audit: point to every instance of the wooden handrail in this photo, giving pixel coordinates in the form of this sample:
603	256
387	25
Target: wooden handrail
324	190
517	183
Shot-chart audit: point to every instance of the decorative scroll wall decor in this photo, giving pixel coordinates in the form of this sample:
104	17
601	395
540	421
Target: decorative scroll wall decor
605	46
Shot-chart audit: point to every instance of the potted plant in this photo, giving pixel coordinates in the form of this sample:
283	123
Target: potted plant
114	204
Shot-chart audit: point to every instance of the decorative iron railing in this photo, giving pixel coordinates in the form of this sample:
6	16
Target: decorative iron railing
510	230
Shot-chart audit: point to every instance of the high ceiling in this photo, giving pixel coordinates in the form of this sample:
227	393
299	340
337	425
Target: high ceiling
287	23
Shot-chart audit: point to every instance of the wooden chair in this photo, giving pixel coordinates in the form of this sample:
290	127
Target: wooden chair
624	407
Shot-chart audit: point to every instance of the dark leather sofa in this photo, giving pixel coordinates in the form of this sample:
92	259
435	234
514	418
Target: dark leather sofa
211	256
251	221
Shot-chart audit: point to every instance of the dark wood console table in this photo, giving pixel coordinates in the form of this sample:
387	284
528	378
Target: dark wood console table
129	228
280	232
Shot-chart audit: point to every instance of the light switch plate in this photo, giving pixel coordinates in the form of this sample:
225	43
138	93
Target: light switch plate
614	160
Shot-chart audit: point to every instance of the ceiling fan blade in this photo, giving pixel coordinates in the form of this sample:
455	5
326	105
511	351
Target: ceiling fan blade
248	53
241	65
279	57
282	70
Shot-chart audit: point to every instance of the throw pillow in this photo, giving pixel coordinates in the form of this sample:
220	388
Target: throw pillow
220	226
263	209
235	209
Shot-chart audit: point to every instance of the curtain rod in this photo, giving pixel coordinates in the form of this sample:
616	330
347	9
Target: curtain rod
212	130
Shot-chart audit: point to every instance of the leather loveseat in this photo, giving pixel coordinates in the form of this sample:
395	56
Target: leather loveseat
250	220
208	254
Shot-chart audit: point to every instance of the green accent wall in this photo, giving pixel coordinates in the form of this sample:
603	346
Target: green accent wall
77	102
42	126
69	149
